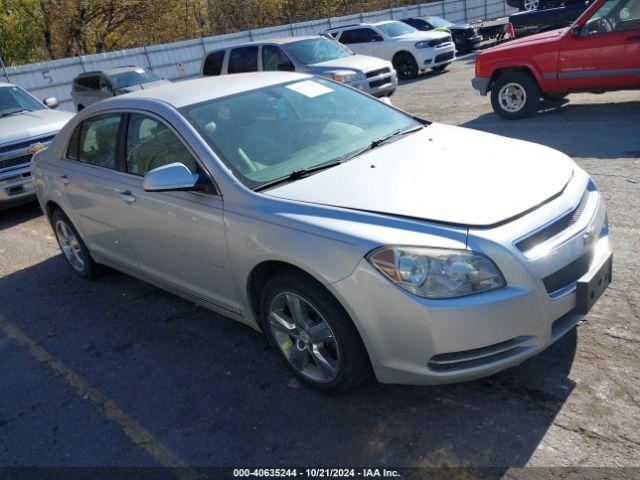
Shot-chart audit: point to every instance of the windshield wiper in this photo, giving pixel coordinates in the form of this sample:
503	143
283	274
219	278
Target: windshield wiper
8	114
381	141
298	174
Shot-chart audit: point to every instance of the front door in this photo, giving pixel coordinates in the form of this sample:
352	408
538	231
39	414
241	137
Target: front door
178	237
606	52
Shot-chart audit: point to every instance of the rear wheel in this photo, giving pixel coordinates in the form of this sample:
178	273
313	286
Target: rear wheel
313	334
73	248
530	5
405	65
440	68
515	95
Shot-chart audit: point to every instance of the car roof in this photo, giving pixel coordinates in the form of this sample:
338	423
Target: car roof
4	84
366	24
197	90
112	71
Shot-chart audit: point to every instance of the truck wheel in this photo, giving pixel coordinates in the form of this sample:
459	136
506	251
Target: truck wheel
405	65
515	95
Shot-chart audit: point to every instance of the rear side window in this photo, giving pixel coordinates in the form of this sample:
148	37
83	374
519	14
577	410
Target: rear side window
274	59
359	35
243	59
74	144
213	64
98	139
151	144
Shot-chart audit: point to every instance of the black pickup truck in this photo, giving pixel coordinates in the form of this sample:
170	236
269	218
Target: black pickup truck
536	21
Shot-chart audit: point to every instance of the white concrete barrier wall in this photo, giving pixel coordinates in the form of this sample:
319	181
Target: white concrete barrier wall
181	60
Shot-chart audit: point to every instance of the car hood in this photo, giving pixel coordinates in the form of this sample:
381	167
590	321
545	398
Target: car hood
32	124
442	173
545	37
363	63
417	36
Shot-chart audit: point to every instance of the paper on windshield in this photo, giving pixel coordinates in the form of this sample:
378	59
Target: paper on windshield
309	88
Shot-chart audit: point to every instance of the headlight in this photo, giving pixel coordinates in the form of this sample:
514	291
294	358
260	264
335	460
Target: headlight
423	44
437	273
346	77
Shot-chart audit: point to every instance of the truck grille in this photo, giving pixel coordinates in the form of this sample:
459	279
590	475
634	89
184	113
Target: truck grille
378	83
14	162
375	73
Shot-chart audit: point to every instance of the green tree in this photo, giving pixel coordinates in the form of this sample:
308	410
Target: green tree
16	32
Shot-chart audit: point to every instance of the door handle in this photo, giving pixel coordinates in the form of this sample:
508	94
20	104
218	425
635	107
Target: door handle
633	38
64	179
127	196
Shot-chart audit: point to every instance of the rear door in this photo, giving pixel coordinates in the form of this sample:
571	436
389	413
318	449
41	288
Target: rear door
178	237
89	180
606	53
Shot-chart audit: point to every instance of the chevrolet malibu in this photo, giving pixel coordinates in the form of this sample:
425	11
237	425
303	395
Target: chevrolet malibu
357	237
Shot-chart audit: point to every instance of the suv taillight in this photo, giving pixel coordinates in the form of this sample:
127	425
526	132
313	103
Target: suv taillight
510	30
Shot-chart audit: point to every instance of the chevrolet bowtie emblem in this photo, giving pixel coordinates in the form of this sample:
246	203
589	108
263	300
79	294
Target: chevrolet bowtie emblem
35	148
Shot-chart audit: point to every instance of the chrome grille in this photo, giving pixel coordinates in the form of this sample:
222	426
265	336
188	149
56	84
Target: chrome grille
14	162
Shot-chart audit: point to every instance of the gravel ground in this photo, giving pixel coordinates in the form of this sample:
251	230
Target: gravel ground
85	367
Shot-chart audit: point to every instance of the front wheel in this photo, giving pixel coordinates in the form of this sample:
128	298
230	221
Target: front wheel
515	95
405	65
440	68
313	334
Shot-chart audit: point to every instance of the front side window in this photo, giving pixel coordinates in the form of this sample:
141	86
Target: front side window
14	100
151	144
274	59
266	134
131	78
97	140
614	16
317	50
213	64
396	29
243	59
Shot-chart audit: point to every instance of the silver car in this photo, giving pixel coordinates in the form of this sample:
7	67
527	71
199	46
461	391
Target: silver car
317	55
357	237
26	126
91	87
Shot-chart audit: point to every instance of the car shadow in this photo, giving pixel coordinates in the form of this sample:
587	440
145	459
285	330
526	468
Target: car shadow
576	129
212	391
15	215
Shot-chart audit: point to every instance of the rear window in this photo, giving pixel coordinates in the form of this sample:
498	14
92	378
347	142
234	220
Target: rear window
213	64
243	59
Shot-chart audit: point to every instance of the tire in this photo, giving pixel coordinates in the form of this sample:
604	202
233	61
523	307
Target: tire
440	68
346	363
72	246
406	65
521	101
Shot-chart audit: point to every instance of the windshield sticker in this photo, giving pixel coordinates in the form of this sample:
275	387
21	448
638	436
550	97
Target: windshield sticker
309	88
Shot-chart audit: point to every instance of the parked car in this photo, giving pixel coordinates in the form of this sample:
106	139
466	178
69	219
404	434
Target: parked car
26	126
91	87
356	236
317	55
537	21
408	49
531	5
600	52
465	37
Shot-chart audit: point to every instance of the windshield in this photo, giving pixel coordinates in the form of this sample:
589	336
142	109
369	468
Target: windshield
317	50
439	22
14	100
133	77
396	29
266	134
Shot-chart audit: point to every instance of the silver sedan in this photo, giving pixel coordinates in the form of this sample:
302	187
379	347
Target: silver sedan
359	238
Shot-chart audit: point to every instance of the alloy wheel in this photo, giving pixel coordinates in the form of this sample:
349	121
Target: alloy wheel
531	4
512	97
70	246
304	337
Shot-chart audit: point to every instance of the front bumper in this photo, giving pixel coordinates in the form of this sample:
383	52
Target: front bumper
413	340
481	84
16	185
379	86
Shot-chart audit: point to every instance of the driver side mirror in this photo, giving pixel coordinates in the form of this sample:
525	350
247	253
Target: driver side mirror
575	30
172	177
51	102
377	38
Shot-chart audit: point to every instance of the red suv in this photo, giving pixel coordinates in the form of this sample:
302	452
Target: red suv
601	51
